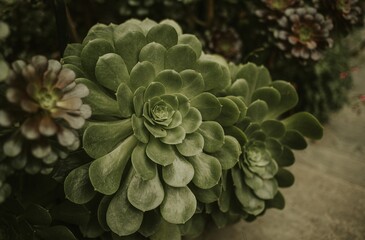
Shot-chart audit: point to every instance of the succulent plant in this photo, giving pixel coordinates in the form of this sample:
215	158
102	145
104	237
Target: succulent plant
225	41
344	12
42	111
303	33
155	133
266	141
251	186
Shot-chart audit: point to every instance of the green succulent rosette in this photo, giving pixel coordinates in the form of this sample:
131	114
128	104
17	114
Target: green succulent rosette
267	141
156	133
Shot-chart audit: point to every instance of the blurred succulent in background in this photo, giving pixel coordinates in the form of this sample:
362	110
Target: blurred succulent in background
303	33
155	133
225	41
42	111
345	13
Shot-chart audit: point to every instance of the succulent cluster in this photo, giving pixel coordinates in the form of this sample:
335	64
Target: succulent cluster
177	134
40	114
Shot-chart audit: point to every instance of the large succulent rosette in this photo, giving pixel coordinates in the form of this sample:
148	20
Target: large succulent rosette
251	186
156	132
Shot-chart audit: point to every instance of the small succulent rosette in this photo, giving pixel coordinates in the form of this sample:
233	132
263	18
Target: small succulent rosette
156	131
303	33
345	13
40	111
251	186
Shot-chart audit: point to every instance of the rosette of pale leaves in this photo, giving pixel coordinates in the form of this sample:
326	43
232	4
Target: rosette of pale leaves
40	111
156	131
303	33
267	143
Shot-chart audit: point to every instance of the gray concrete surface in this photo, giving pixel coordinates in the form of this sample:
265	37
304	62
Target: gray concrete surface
327	201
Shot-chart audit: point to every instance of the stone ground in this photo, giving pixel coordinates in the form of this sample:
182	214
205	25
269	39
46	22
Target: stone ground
327	201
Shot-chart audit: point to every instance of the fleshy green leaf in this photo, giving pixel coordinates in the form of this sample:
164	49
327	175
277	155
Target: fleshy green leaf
91	53
73	49
194	227
110	71
71	213
215	75
240	103
37	215
155	89
170	79
144	167
128	46
102	209
237	134
179	173
207	195
122	218
257	111
106	172
101	104
138	101
273	128
155	54
277	202
294	140
142	74
306	124
192	120
125	100
192	83
56	233
229	114
139	130
240	88
78	187
160	153
193	42
208	105
268	94
229	154
101	138
180	57
192	145
208	170
167	231
289	97
213	135
99	31
156	130
163	34
286	158
151	223
174	136
179	205
250	203
145	195
255	76
285	178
